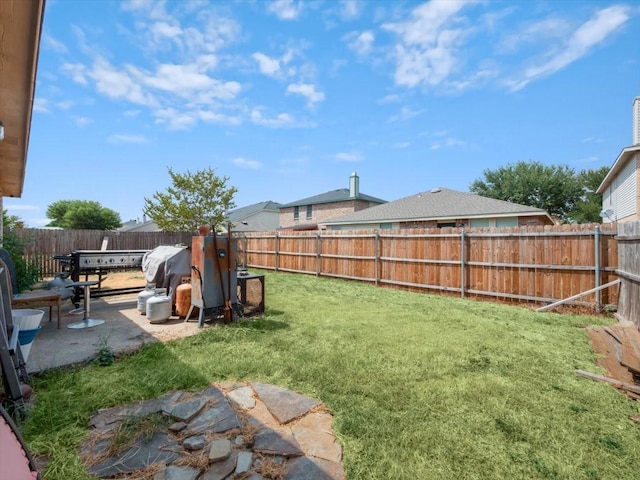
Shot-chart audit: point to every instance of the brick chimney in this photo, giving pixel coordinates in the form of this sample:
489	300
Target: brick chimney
354	183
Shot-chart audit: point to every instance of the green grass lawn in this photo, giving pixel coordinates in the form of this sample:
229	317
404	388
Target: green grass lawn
420	386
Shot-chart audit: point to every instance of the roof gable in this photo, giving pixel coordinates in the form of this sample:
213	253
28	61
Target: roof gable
334	196
244	212
436	204
625	155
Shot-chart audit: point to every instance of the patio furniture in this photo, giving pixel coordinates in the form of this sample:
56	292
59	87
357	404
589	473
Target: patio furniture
39	298
86	322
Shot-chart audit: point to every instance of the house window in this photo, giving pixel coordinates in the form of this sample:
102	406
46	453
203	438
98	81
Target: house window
386	226
296	213
309	212
446	224
507	222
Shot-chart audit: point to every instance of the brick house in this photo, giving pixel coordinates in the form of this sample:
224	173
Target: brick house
307	213
441	207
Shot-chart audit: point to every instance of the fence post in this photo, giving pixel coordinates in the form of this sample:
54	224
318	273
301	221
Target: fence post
596	241
276	260
318	256
376	254
462	262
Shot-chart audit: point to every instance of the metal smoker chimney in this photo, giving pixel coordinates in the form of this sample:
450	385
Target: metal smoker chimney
636	121
354	185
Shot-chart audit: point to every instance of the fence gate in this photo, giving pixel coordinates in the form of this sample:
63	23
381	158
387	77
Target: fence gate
629	272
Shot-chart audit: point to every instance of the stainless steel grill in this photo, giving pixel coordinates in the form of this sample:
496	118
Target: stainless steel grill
100	262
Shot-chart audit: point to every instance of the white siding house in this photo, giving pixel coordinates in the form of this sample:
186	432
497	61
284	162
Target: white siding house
620	189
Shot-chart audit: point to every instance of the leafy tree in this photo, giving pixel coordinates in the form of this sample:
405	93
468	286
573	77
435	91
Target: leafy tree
82	215
194	199
588	208
11	221
27	273
554	188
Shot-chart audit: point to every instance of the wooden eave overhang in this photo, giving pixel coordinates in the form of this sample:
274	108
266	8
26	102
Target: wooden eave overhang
20	31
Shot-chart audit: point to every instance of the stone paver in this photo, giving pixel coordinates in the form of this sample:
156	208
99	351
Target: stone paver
313	433
219	449
216	421
243	397
284	404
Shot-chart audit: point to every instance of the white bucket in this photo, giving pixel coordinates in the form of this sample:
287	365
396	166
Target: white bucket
27	319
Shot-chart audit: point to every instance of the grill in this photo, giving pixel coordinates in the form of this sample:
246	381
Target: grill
100	262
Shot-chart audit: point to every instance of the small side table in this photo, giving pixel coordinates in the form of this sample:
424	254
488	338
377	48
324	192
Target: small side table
86	321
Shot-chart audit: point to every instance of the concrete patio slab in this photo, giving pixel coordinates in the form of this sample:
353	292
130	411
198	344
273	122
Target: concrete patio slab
124	329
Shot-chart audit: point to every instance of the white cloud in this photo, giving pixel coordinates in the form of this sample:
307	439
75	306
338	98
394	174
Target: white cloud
174	119
22	208
154	9
115	83
76	71
404	114
391	98
248	164
306	90
121	138
402	145
361	43
184	80
268	66
215	117
348	157
350	9
163	29
82	121
426	53
593	32
41	105
53	44
280	120
551	28
131	113
65	105
286	9
275	66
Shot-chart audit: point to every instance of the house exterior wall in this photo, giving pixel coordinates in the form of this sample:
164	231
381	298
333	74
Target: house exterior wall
622	194
523	221
321	212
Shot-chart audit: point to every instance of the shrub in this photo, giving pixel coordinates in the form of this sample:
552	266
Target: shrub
27	273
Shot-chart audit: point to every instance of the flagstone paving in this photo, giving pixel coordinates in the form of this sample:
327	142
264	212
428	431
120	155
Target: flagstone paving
228	431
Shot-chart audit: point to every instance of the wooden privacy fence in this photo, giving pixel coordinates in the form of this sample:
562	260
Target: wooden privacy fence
530	264
629	272
42	244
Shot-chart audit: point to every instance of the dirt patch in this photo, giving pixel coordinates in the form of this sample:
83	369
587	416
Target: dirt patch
132	278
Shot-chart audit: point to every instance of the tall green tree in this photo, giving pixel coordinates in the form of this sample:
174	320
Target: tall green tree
193	199
554	188
11	221
82	215
588	208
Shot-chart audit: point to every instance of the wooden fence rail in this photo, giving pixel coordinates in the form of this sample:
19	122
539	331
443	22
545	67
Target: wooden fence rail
629	272
528	264
532	264
42	244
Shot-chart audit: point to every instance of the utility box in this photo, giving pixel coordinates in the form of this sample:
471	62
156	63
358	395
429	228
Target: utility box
213	276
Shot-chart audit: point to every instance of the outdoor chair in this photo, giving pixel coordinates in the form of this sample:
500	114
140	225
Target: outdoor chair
40	298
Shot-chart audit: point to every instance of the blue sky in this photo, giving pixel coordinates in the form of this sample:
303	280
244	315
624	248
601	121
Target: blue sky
287	98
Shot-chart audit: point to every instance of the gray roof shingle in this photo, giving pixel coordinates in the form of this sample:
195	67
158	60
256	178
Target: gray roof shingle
244	212
435	204
340	195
